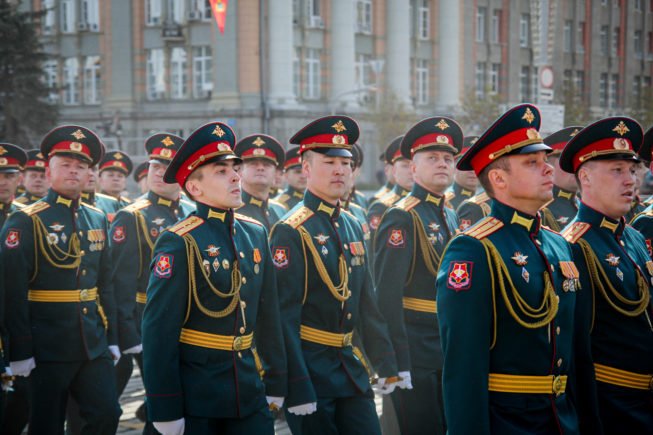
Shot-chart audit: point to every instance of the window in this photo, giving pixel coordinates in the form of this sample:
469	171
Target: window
202	71
176	11
312	89
524	30
579	84
638	5
423	19
525	84
613	96
364	16
91	14
71	81
637	89
495	31
48	19
68	16
155	80
614	48
92	83
152	12
296	71
200	9
51	79
603	90
603	39
363	70
313	8
422	82
566	36
638	43
480	79
480	24
494	78
178	77
580	37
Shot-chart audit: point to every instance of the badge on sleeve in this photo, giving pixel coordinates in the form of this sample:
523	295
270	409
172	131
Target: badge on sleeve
375	221
163	266
280	257
118	234
460	275
464	224
649	248
396	238
13	238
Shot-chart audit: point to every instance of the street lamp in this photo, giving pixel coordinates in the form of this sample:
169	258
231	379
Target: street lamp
360	90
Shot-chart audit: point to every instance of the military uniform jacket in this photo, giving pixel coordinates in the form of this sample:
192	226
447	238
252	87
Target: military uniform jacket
386	188
561	210
618	340
473	210
643	223
268	212
636	208
27	199
507	256
187	376
377	208
332	238
360	214
358	198
457	194
108	204
407	249
68	251
133	233
289	197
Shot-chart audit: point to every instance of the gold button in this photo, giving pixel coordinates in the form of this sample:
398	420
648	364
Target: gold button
238	343
242	329
81	233
560	362
552	269
82	252
348	316
242	255
538	242
349	269
344	245
558	330
84	272
234	231
240	355
337	225
244	280
558	298
622	243
84	310
243	304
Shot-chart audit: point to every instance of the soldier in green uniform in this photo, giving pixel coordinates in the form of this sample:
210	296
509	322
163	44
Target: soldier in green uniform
295	179
563	207
107	204
408	245
34	180
321	261
404	183
354	196
140	176
114	169
614	306
349	201
506	293
261	155
62	325
211	293
643	222
390	181
472	210
464	182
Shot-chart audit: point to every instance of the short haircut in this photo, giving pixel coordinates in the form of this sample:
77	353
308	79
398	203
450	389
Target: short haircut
198	175
484	179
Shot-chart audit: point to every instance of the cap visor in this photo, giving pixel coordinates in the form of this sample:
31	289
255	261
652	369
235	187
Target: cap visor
334	152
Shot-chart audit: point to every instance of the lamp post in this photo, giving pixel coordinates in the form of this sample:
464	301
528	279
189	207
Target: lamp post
360	90
377	68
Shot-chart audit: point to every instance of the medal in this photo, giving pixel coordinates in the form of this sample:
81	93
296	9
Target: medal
216	265
256	268
525	274
620	274
225	264
325	251
520	259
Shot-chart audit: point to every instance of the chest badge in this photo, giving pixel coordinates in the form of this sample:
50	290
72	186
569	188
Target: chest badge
57	227
525	274
612	259
434	227
213	250
158	221
520	259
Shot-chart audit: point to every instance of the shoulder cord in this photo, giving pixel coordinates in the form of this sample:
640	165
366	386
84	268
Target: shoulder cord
140	222
549	220
429	254
51	252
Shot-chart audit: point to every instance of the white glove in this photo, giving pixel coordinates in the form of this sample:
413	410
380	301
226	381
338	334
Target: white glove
384	386
115	353
274	403
6	383
136	349
305	409
175	427
23	367
405	382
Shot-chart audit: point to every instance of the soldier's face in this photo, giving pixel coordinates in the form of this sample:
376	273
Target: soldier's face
561	178
259	173
402	174
157	185
218	185
327	176
67	175
91	181
296	178
609	186
8	183
528	184
466	179
35	182
433	170
112	182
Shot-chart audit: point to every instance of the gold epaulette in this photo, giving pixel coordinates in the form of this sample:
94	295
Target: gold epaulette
18	205
20	200
127	200
102	195
408	203
35	208
298	217
576	231
275	202
242	217
484	228
283	198
347	212
186	226
480	198
92	207
389	199
138	205
448	196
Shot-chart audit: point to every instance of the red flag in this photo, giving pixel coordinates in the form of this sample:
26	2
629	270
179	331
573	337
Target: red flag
219	8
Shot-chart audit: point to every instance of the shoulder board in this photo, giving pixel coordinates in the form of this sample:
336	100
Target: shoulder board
20	200
18	205
102	195
354	205
185	226
127	200
282	198
349	213
575	231
480	198
87	205
138	205
408	203
242	217
298	217
277	203
449	195
35	208
484	228
389	199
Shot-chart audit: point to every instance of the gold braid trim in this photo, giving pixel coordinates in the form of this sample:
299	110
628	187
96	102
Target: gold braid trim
429	254
528	317
141	225
600	280
341	292
549	220
51	252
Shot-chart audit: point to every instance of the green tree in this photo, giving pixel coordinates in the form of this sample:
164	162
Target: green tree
24	110
391	118
478	113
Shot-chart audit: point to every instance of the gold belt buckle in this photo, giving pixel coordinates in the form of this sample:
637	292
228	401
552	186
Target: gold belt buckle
83	295
238	344
558	387
346	340
650	383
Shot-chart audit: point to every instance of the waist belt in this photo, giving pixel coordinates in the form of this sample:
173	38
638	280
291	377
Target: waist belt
141	297
324	337
85	295
215	341
423	305
550	384
623	378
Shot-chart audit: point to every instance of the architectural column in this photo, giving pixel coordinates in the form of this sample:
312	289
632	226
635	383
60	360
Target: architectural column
398	50
449	72
343	55
280	54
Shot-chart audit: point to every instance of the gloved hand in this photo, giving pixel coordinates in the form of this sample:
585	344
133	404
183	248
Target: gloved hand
175	427
305	409
274	403
385	385
136	349
7	380
405	382
23	367
115	353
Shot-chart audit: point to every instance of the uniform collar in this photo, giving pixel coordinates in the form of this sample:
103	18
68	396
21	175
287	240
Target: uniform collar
295	193
249	199
209	213
460	190
316	204
559	192
159	200
426	196
5	207
32	197
599	220
88	197
511	216
400	191
55	198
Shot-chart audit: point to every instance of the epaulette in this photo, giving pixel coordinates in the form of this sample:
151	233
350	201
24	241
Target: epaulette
480	198
35	208
448	196
575	231
274	201
242	217
407	203
349	213
20	200
92	207
18	205
282	198
186	226
354	205
102	195
138	205
127	200
389	199
299	217
484	228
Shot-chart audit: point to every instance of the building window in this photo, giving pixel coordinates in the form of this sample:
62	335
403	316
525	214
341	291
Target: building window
48	20
525	84
580	37
92	82
638	44
423	19
176	11
637	89
364	16
68	16
480	24
649	41
199	10
613	96
614	49
495	31
51	79
363	70
312	89
90	15
152	12
155	79
422	82
603	90
566	36
202	71
603	40
313	14
579	84
296	71
524	30
71	81
494	78
638	5
480	79
178	77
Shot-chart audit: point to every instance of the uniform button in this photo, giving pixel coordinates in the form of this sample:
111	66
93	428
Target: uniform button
622	243
244	280
84	310
81	233
337	225
344	245
538	242
240	355
558	330
242	329
242	255
349	269
234	231
348	316
82	252
243	304
560	362
552	269
558	298
83	272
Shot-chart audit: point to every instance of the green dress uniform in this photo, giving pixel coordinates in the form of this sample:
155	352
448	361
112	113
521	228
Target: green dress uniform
506	294
35	162
319	253
268	211
60	291
291	196
472	210
387	187
378	207
456	194
615	309
211	293
118	161
107	204
408	245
